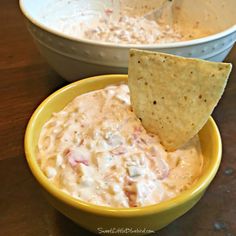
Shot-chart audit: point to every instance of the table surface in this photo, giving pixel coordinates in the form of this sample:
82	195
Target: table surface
25	80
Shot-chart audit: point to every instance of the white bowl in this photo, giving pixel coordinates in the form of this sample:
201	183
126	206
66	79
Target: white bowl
77	58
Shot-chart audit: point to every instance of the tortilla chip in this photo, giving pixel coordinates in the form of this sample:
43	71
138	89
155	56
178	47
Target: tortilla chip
174	96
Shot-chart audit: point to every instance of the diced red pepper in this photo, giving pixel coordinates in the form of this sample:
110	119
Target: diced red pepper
108	11
74	158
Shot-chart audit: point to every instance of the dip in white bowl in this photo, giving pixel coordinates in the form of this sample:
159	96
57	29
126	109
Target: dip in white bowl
118	22
75	57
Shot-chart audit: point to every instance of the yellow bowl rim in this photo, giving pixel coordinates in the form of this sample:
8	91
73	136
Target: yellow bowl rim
185	196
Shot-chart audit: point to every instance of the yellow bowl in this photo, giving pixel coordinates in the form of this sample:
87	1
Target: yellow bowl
98	218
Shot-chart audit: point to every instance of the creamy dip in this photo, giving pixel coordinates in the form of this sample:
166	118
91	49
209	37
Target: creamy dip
109	26
97	151
132	30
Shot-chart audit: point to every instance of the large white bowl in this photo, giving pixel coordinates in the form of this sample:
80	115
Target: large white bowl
77	58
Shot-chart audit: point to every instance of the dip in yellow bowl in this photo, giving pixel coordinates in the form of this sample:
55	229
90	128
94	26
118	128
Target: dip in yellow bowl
148	218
